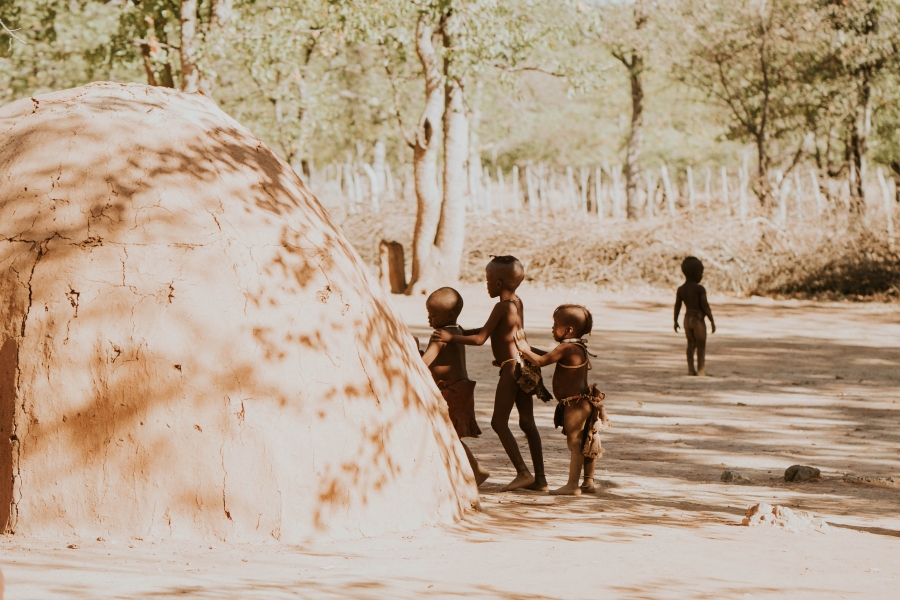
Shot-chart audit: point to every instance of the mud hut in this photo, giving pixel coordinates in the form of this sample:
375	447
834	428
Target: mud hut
189	347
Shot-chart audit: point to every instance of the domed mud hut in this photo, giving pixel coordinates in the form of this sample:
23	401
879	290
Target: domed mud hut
190	347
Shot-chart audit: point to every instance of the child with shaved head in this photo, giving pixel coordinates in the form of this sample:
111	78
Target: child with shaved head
580	409
504	274
447	363
696	308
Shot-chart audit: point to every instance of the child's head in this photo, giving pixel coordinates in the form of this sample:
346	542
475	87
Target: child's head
503	273
443	306
571	321
692	269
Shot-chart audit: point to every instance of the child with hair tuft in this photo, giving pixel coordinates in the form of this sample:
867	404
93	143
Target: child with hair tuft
693	295
503	276
580	409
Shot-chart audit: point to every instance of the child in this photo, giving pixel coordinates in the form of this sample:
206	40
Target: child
447	363
696	307
580	409
503	275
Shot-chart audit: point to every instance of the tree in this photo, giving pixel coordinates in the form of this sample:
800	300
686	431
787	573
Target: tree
452	41
743	56
857	51
275	42
626	33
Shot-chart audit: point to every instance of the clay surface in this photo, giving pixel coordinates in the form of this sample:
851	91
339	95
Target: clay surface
189	347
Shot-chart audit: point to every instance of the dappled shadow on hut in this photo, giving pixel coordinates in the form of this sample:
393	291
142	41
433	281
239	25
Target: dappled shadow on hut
192	335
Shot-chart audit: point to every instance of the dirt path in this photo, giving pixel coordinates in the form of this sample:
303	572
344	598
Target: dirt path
793	382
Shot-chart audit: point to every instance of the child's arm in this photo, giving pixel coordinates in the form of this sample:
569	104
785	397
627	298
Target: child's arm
474	339
706	310
547	358
677	307
520	335
431	352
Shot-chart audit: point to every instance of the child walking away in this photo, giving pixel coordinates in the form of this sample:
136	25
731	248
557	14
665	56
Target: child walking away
696	307
447	363
503	275
580	409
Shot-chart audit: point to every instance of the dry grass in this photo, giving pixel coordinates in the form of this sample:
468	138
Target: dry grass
833	257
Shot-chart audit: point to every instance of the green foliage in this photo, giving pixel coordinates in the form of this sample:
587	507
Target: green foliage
323	79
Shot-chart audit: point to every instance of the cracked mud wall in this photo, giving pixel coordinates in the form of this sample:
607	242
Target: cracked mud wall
190	347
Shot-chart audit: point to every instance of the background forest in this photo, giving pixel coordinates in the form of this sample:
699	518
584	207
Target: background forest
760	135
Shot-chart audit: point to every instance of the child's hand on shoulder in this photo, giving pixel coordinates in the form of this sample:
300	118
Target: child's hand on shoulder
441	336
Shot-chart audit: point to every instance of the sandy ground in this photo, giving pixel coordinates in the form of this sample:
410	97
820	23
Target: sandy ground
792	383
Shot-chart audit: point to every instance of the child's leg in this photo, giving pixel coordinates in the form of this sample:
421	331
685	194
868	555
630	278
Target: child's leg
691	344
481	474
574	420
588	486
700	337
525	407
504	400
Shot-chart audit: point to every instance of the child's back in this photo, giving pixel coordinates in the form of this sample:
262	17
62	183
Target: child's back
449	364
693	295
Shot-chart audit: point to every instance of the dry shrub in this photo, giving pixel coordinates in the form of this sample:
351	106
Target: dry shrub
830	257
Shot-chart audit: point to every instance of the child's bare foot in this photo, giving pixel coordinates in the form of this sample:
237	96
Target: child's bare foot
540	484
523	479
701	373
481	475
692	372
588	486
567	490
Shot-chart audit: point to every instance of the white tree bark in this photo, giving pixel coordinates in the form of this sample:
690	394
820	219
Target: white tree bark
190	74
452	227
425	158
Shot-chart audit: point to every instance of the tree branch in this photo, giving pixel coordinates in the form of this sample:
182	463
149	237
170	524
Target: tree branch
395	95
10	33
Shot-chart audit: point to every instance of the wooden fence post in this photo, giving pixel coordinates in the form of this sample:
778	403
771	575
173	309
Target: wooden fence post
667	185
725	199
690	182
742	197
650	182
529	189
570	188
814	175
888	205
617	198
708	197
585	176
501	191
784	187
488	197
798	194
515	191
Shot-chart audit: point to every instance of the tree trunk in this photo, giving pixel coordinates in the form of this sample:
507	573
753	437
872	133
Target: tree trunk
425	157
635	139
452	227
148	64
190	75
762	172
